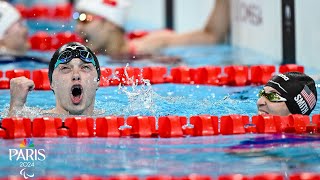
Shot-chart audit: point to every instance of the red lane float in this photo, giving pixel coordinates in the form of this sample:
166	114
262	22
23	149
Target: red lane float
233	177
123	177
146	126
155	74
316	121
2	132
51	178
233	124
180	74
160	177
128	75
62	38
41	79
237	75
205	125
41	41
209	75
268	176
63	131
295	123
105	76
261	74
80	126
16	127
170	126
142	126
194	177
265	123
4	83
46	127
292	124
38	11
304	176
205	75
61	11
109	126
291	67
17	73
88	177
187	128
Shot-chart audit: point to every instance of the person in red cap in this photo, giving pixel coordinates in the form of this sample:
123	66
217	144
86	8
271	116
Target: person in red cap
288	93
13	32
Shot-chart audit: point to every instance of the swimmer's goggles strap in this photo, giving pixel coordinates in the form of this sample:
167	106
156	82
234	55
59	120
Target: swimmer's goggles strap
67	56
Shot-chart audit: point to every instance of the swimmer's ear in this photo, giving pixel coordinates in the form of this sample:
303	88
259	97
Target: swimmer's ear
51	87
98	85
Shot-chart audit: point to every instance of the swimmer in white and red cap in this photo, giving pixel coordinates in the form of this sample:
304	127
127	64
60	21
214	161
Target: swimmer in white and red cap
13	31
100	24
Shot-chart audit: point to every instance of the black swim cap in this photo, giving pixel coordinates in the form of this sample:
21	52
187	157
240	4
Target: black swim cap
70	47
298	88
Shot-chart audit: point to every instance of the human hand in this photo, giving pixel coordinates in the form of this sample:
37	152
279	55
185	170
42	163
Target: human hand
19	89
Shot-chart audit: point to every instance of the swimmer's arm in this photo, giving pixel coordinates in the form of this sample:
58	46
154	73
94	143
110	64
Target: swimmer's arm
19	89
214	31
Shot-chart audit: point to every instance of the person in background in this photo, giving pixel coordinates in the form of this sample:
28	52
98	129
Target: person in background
101	25
215	31
74	74
288	93
13	31
14	42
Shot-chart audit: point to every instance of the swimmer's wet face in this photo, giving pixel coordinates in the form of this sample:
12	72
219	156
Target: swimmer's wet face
75	84
275	106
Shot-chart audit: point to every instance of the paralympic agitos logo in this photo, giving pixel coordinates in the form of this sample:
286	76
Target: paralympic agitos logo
27	155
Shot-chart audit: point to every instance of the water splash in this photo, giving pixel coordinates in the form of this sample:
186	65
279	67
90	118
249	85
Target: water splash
140	97
29	112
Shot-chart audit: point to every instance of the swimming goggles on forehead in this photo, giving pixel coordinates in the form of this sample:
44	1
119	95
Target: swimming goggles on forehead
67	55
271	96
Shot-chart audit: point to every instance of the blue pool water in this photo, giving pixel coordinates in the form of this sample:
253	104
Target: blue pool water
175	156
214	155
